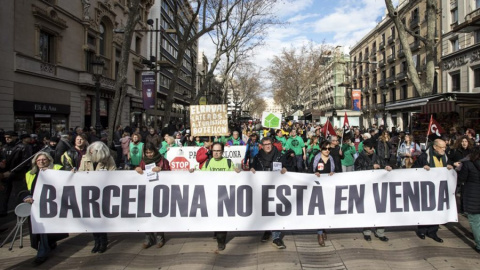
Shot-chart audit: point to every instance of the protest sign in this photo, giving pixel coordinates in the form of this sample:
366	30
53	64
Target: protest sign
235	153
271	120
124	201
208	120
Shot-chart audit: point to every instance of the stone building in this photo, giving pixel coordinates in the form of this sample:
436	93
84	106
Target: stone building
48	46
380	69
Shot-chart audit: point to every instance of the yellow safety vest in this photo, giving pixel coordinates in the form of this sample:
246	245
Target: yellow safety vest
30	177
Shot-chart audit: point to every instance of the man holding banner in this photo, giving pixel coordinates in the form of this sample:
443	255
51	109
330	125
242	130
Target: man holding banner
219	163
434	157
368	160
269	159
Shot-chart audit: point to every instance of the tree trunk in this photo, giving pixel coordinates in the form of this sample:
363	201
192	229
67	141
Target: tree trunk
120	84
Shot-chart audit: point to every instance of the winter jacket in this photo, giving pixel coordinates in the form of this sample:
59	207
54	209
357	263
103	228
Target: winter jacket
260	164
383	149
162	163
348	152
470	176
364	162
251	152
425	159
459	154
203	154
125	141
71	159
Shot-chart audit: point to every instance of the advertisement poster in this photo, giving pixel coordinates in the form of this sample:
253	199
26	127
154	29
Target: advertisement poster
357	99
148	90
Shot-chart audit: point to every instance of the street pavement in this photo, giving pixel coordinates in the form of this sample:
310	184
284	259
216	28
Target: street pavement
345	249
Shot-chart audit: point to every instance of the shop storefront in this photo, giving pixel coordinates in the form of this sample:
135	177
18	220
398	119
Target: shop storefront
43	119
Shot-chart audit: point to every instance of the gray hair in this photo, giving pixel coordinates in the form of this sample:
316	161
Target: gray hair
34	169
98	152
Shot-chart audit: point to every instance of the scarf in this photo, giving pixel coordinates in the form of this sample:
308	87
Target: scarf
431	162
155	159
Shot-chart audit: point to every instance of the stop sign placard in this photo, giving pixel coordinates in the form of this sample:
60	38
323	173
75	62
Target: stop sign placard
180	164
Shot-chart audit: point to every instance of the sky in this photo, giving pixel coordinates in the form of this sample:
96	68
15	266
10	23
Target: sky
335	22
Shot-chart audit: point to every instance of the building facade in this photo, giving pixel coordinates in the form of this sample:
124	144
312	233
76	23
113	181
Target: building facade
461	58
46	79
380	69
166	46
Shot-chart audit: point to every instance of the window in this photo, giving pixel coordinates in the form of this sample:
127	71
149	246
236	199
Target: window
476	77
393	97
102	49
46	49
392	71
138	45
138	80
477	3
89	57
477	36
455	82
404	93
454	44
454	15
392	29
91	40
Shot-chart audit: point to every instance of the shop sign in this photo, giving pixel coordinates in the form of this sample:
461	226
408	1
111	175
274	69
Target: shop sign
37	107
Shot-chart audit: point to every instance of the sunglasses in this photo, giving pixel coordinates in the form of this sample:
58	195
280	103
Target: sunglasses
326	149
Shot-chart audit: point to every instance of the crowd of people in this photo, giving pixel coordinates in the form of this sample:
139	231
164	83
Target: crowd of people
295	147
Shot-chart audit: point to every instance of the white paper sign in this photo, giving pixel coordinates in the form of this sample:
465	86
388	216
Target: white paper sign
277	166
149	174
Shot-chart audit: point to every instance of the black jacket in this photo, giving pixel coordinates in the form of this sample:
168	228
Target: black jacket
424	159
337	158
459	154
289	162
364	162
70	159
260	164
470	175
62	147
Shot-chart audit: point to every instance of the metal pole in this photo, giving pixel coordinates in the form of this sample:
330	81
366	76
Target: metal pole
384	110
98	125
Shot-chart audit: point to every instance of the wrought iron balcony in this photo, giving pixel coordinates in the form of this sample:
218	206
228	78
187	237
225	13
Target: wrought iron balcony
391	58
391	80
381	46
400	53
391	39
414	22
401	75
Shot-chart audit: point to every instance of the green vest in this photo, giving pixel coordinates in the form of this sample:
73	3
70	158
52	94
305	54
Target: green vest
136	151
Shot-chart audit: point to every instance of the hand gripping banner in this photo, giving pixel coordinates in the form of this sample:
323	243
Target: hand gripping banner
125	201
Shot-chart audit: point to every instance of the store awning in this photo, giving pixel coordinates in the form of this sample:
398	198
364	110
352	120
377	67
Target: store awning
407	104
437	107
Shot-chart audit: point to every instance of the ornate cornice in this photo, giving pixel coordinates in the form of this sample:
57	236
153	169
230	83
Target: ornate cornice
49	15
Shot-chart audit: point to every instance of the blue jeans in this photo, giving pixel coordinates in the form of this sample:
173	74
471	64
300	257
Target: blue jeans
474	221
276	234
299	162
43	246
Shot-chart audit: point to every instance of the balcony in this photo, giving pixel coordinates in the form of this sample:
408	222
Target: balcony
401	76
415	45
391	39
381	63
373	86
381	46
391	80
471	23
382	83
414	22
400	53
391	58
365	58
374	52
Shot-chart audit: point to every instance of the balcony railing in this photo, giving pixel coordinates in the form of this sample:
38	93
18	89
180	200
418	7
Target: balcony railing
381	46
391	58
415	45
391	39
400	53
473	15
401	75
374	52
382	83
414	22
365	57
373	86
391	80
381	63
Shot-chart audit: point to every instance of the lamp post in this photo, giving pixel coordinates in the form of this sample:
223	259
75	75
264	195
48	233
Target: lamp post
384	93
97	67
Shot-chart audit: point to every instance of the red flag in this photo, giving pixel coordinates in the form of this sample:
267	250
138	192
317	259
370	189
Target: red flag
346	125
328	130
434	128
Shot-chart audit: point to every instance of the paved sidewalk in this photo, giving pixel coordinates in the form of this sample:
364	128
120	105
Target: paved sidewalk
345	249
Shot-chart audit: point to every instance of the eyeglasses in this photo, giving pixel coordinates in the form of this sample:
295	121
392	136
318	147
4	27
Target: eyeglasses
326	149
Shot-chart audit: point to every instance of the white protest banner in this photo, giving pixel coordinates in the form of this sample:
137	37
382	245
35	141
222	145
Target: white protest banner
184	158
271	120
124	201
208	120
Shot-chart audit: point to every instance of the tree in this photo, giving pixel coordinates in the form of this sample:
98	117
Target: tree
424	87
121	81
237	22
294	71
245	85
256	106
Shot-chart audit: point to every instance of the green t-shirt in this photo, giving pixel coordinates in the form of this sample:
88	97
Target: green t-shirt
314	151
136	153
283	141
223	140
296	144
199	143
163	151
220	165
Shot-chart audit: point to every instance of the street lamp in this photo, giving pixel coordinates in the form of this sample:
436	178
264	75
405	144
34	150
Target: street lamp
97	67
384	93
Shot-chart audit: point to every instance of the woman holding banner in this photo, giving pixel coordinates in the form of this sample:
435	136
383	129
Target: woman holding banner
43	243
98	158
323	163
161	164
